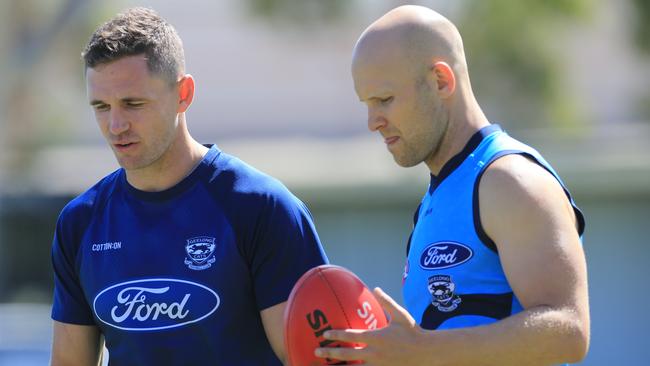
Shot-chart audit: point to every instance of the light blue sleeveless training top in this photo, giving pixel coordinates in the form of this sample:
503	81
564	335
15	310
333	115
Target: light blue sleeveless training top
453	277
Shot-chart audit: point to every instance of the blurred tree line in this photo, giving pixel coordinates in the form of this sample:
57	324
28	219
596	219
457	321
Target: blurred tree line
509	46
641	29
41	51
516	72
642	24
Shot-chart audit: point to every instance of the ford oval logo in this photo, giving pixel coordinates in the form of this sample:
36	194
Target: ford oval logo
154	304
444	254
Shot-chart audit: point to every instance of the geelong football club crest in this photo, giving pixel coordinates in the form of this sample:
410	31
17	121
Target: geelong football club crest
200	252
441	288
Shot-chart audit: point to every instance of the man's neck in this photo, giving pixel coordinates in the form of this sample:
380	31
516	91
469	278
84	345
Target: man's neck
461	128
175	165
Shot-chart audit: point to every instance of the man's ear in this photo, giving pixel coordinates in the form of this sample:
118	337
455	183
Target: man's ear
185	92
445	79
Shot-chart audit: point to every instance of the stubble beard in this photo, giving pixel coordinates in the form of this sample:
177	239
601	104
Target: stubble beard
426	146
150	155
417	152
408	158
133	163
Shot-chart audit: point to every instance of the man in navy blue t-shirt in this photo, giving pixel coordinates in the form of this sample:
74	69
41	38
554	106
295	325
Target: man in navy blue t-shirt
185	255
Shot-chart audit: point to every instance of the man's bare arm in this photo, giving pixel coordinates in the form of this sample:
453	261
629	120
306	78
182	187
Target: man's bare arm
273	320
76	345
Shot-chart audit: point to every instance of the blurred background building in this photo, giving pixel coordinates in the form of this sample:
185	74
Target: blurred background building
570	77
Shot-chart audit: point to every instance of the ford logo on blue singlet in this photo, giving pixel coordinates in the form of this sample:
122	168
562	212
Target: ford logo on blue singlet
154	304
444	254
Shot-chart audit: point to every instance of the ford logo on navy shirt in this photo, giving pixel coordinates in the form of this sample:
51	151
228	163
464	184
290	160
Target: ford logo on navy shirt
444	254
154	304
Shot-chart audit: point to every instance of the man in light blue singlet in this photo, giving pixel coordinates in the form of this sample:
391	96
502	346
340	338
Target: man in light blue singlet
186	255
495	271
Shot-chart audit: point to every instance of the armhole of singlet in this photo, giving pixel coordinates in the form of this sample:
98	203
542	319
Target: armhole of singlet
480	232
485	239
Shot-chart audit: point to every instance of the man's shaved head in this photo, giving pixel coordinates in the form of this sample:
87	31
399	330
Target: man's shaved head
418	36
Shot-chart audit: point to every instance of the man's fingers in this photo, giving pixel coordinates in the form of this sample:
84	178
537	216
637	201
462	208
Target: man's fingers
396	312
348	335
341	353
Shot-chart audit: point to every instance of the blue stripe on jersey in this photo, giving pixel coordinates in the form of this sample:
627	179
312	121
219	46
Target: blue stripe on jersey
180	276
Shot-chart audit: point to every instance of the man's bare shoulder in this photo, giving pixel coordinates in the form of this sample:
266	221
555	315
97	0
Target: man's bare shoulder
517	194
516	178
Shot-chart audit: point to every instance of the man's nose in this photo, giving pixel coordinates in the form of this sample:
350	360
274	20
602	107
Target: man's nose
118	123
376	121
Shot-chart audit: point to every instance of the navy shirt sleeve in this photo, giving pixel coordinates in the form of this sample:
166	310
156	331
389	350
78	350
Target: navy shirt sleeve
69	303
275	230
284	246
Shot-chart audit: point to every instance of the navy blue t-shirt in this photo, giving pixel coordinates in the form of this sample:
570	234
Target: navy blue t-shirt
179	277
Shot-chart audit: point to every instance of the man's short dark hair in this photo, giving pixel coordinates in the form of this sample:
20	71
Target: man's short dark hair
134	32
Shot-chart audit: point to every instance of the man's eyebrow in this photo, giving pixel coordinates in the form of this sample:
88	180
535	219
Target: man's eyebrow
96	102
133	99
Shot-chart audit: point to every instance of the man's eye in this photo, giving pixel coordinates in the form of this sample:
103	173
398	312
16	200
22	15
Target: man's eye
135	104
386	100
101	107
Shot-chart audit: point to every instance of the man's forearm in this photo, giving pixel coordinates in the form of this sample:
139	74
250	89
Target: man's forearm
536	336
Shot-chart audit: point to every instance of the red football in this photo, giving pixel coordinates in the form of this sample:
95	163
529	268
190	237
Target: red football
327	297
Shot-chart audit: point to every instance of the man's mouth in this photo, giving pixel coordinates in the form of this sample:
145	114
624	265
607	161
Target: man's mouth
124	146
391	140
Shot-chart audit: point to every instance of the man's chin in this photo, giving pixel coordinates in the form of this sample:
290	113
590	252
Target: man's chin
128	164
405	163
